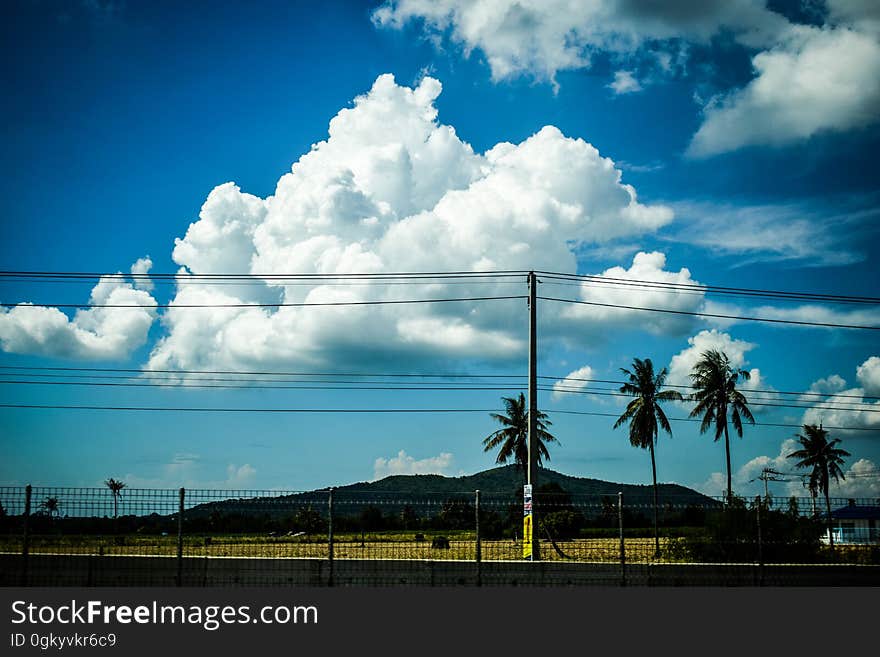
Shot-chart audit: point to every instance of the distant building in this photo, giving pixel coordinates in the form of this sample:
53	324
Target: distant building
855	524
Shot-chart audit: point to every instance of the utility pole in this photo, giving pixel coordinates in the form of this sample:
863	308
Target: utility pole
765	476
533	407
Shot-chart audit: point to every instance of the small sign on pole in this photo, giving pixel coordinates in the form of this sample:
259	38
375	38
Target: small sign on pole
527	522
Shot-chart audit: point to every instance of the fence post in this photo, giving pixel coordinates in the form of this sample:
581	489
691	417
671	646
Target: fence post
760	541
26	536
330	537
622	546
479	554
180	538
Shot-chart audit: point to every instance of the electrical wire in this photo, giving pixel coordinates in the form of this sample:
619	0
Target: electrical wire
713	315
355	411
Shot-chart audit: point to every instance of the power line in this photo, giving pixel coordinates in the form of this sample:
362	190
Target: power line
448	375
688	419
354	411
150	374
262	305
257	277
361	387
386	387
769	392
713	315
718	289
192	409
31	276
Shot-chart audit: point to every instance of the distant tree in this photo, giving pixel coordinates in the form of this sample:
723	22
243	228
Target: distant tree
408	517
794	509
645	416
115	487
824	458
371	518
308	520
714	381
455	514
513	438
51	507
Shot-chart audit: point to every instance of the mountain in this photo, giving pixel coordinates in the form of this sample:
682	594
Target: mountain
501	485
507	481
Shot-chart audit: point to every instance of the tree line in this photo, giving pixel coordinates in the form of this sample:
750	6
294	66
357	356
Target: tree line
718	402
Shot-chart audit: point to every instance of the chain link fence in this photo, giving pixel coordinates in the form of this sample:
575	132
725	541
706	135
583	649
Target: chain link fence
93	536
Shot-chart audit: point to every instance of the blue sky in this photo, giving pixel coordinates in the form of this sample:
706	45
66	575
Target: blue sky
748	136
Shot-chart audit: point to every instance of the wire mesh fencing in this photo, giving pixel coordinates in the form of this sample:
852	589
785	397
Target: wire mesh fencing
186	537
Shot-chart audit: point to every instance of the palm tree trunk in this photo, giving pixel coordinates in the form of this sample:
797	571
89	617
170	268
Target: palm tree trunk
830	521
656	532
727	452
115	505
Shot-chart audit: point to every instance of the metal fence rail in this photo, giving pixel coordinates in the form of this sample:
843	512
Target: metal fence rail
91	536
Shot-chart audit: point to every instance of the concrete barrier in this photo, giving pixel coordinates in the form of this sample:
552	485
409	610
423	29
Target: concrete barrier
94	570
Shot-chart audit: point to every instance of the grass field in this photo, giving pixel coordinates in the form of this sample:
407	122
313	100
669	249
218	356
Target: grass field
389	545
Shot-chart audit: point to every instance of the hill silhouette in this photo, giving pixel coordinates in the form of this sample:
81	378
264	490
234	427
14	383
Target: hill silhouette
497	485
508	480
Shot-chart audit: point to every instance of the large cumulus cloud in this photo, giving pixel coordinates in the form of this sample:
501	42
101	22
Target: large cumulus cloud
392	189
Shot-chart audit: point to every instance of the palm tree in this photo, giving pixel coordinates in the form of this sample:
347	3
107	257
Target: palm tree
51	506
825	459
513	438
645	416
714	380
116	489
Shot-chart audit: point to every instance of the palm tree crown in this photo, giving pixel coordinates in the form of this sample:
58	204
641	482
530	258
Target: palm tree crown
714	381
824	458
820	454
513	437
115	487
644	414
51	506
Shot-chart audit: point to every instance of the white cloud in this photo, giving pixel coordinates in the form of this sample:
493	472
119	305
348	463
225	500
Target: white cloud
846	407
625	83
237	476
404	464
780	463
543	38
819	314
868	374
778	232
830	384
139	269
862	480
573	382
190	471
94	333
808	315
714	486
681	365
415	198
808	79
646	267
816	80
